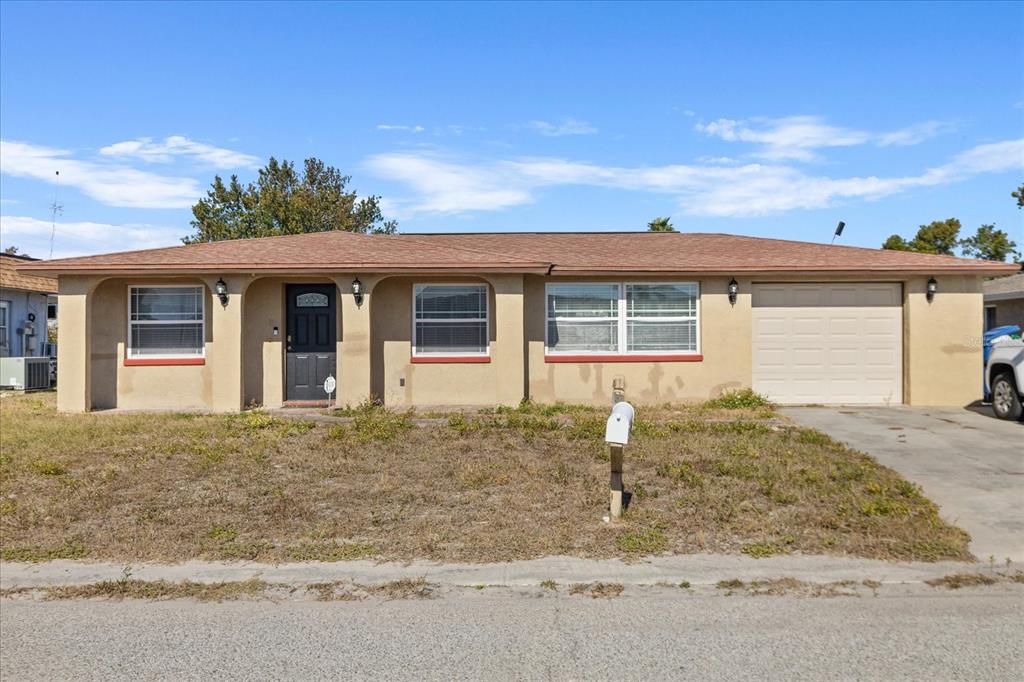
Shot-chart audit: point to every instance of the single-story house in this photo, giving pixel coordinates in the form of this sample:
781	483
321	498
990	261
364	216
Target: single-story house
1004	301
486	319
26	300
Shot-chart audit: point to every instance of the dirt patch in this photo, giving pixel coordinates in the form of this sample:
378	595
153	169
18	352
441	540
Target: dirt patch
485	485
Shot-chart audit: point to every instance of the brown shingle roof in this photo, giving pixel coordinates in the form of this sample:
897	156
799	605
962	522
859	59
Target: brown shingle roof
567	252
10	278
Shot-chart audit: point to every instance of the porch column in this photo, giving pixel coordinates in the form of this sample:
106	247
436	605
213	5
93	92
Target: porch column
224	352
354	341
509	348
74	345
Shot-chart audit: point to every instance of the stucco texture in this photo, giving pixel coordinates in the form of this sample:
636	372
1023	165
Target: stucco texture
245	361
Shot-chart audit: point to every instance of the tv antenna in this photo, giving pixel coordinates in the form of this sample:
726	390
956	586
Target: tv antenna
56	209
839	231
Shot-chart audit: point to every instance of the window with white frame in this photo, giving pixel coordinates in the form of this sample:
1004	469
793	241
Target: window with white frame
623	318
450	319
165	322
5	328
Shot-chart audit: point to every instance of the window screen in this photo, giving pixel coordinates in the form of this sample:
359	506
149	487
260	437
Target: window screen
583	318
165	322
622	318
450	319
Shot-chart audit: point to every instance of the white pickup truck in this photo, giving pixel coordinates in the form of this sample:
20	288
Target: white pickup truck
1004	378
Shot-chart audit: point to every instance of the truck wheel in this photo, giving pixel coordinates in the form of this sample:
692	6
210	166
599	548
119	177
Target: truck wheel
1005	400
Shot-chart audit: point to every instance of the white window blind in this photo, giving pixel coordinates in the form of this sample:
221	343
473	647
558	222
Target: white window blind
623	318
165	322
450	319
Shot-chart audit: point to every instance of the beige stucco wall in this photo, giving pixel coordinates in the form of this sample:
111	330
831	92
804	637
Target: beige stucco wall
942	351
146	387
724	339
245	362
262	352
497	382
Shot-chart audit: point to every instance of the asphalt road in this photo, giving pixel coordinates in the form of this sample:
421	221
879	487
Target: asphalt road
922	633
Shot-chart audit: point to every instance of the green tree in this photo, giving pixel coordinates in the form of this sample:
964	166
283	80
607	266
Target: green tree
1018	194
282	201
938	236
988	243
661	225
896	243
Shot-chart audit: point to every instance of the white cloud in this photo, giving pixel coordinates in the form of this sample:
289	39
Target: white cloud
111	184
569	126
146	149
797	137
410	129
915	134
32	236
443	185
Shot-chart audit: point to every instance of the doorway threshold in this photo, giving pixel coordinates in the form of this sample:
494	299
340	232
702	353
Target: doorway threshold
308	403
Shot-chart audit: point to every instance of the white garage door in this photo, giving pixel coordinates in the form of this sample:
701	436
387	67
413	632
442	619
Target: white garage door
828	343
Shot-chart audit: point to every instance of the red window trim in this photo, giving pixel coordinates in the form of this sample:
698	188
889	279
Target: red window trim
449	359
162	362
691	357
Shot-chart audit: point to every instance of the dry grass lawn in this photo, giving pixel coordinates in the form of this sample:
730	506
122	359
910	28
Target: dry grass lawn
489	486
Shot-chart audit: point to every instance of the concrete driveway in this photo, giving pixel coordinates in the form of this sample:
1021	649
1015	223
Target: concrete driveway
967	461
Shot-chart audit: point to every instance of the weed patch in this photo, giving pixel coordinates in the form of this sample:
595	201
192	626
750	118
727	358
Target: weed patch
405	588
152	590
648	541
596	590
744	398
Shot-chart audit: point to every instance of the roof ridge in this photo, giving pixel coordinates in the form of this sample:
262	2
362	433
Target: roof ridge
481	251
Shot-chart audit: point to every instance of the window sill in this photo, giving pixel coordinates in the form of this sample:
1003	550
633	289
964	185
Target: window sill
449	359
162	362
689	357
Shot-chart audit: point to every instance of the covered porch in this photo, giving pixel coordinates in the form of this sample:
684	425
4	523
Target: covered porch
231	342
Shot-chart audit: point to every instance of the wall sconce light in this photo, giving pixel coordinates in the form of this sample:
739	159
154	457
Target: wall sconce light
357	291
933	286
734	289
222	292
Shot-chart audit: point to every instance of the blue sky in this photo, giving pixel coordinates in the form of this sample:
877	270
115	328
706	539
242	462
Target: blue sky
762	119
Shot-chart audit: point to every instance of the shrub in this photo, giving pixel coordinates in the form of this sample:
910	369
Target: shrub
744	398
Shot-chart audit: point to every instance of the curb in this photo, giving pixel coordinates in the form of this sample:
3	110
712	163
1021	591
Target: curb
704	569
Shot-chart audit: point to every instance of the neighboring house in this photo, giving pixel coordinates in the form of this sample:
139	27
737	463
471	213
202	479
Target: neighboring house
1004	301
25	304
485	319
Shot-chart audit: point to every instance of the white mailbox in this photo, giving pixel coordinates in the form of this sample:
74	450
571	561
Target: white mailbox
620	423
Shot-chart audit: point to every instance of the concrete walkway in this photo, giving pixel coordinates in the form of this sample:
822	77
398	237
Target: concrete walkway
967	461
697	569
